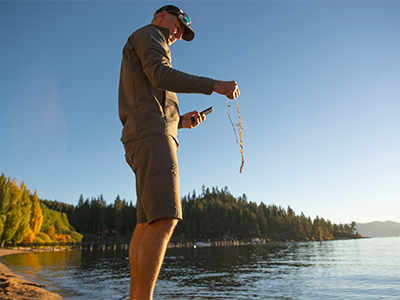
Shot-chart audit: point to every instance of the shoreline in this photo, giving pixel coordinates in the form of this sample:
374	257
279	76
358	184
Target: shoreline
16	287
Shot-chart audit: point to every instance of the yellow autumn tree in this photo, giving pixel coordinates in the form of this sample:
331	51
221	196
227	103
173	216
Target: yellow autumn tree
37	215
36	219
24	207
5	198
13	214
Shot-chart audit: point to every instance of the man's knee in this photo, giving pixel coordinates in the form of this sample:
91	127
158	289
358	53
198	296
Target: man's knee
166	224
141	227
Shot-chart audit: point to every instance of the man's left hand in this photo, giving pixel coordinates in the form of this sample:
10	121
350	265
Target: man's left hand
192	119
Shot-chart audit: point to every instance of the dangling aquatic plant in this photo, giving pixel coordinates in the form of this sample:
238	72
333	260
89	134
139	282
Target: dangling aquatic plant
240	128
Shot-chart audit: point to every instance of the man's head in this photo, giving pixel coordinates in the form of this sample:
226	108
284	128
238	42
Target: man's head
176	21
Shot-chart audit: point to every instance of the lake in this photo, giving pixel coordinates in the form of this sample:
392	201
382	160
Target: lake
344	269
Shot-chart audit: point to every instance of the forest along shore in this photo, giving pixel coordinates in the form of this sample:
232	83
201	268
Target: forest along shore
16	287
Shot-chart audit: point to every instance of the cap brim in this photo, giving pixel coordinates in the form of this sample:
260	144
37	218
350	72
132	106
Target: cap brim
188	35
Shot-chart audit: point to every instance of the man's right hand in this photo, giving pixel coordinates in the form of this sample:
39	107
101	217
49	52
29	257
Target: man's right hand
228	88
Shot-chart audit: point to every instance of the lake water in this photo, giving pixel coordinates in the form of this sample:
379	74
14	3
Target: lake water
349	269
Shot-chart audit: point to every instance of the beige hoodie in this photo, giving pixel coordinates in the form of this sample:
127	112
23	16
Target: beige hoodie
148	103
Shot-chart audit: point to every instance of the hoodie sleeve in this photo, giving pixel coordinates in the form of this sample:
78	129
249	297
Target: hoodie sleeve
153	52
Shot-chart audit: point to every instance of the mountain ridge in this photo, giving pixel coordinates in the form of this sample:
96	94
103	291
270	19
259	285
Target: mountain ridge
378	229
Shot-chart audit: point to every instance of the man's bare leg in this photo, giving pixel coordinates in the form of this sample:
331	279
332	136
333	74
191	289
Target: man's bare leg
150	255
133	255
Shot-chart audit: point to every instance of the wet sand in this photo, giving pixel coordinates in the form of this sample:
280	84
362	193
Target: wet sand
16	287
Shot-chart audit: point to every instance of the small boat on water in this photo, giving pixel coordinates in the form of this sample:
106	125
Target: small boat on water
201	244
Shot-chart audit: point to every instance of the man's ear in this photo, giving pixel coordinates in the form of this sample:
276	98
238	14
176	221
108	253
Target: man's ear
160	18
163	15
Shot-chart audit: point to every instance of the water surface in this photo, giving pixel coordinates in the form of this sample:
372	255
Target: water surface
349	269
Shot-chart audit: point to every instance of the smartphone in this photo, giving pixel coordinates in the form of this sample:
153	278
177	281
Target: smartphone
206	111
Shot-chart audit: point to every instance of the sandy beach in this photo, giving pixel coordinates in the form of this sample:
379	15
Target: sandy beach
14	287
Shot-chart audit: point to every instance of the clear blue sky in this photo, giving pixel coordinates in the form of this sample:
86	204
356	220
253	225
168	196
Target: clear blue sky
320	101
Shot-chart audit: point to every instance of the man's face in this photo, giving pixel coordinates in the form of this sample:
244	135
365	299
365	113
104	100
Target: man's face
176	28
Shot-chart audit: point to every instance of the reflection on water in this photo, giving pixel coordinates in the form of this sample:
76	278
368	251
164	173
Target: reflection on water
354	269
228	272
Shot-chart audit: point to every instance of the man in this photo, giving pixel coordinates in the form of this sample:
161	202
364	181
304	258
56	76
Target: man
149	112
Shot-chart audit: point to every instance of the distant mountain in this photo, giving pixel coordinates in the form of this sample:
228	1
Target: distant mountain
378	229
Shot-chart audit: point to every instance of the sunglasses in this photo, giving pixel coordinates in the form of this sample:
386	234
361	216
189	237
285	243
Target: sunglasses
184	18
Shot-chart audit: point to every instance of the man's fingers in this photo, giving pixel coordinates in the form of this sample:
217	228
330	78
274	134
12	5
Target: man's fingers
235	93
195	115
196	118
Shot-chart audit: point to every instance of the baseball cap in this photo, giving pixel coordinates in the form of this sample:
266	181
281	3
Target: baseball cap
188	35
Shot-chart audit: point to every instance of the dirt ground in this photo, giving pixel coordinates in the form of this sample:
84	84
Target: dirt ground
14	287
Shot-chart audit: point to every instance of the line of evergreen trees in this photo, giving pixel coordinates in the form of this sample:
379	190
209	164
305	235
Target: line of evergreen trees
212	214
23	218
97	220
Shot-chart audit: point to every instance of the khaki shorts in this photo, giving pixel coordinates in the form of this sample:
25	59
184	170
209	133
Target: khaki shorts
154	161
